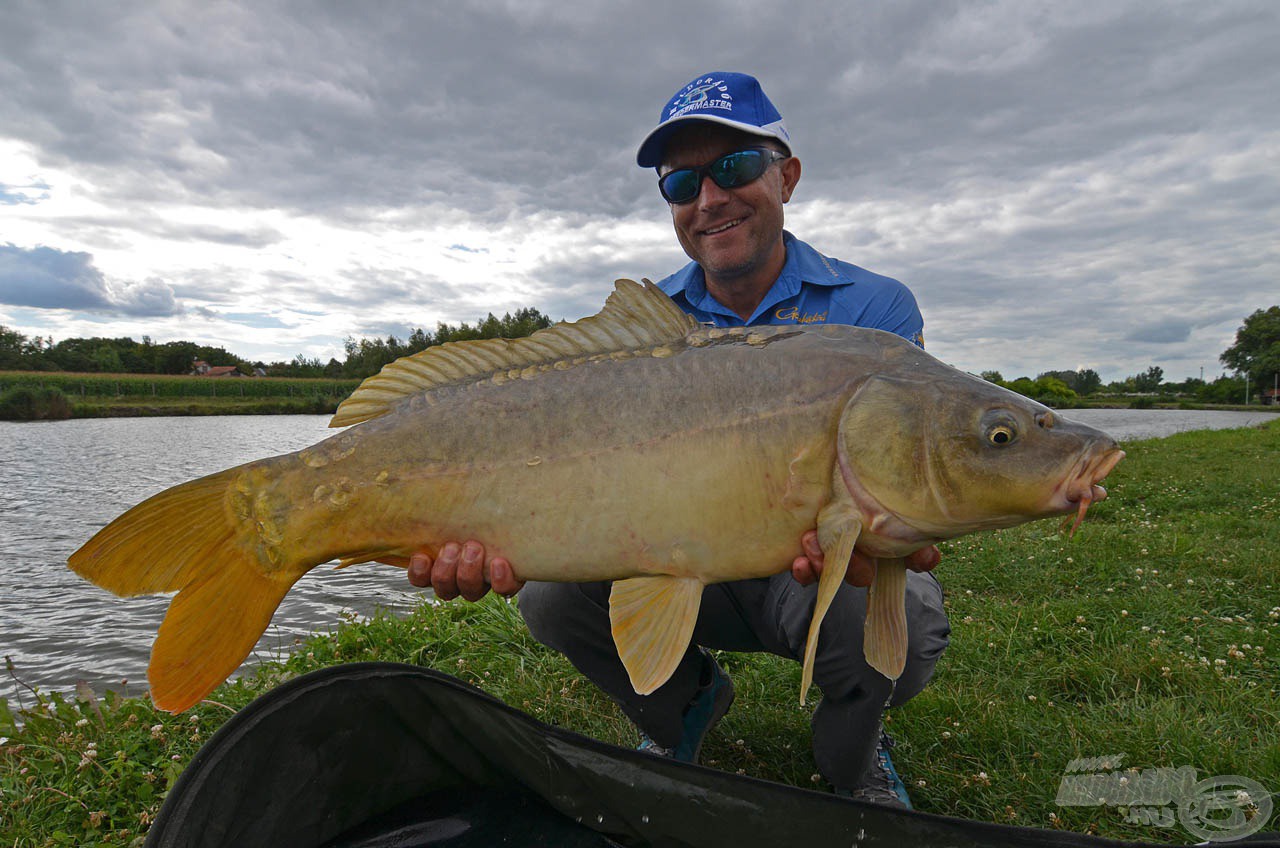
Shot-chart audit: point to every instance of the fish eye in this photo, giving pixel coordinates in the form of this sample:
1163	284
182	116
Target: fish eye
1000	435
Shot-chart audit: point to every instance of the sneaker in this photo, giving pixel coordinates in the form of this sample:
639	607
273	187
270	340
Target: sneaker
709	704
881	784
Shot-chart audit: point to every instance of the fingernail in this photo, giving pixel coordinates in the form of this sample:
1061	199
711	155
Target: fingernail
470	552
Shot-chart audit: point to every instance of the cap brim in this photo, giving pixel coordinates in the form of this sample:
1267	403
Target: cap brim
650	153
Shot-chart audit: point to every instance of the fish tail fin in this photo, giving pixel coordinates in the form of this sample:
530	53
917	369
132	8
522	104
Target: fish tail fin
210	628
184	540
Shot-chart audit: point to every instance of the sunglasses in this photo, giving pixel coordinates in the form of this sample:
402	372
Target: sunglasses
729	171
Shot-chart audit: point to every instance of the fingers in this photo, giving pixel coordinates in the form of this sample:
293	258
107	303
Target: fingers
502	578
925	559
862	570
461	570
804	571
812	549
444	574
418	567
470	575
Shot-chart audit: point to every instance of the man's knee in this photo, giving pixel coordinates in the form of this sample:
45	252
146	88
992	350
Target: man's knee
928	634
555	612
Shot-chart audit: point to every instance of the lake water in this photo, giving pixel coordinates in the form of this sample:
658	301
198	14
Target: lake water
62	481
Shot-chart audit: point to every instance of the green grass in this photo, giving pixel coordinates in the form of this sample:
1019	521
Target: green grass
1154	633
103	395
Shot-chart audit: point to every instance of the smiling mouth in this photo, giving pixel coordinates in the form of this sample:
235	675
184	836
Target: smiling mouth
728	225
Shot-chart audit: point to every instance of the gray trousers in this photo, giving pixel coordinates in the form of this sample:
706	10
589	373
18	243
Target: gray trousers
769	614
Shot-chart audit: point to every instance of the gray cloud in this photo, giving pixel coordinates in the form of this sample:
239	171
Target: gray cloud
1161	332
1060	184
46	278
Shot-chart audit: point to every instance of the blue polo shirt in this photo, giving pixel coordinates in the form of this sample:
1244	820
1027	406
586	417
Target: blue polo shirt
812	289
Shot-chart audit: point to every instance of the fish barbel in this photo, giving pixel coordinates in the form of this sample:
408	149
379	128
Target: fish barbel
633	446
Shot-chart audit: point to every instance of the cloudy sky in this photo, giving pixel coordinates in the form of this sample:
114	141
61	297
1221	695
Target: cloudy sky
1063	185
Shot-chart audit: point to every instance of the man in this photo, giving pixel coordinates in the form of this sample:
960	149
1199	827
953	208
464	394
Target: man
726	169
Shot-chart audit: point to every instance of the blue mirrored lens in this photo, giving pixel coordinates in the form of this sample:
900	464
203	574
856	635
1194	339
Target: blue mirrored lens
680	186
739	168
729	171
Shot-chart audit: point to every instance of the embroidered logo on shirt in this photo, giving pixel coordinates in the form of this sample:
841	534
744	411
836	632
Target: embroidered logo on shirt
793	314
705	93
919	339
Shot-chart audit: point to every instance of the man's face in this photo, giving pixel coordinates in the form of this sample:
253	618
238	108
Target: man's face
734	232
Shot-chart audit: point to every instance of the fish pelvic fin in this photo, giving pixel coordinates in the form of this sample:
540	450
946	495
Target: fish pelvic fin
184	540
838	531
884	636
652	620
635	318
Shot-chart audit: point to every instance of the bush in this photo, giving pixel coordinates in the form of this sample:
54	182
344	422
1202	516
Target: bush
24	403
1142	403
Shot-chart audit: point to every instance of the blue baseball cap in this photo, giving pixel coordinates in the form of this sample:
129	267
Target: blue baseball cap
720	97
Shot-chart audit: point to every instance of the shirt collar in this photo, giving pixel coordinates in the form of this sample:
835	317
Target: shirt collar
803	265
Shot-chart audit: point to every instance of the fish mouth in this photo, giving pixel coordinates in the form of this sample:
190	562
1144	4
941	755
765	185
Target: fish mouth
1082	489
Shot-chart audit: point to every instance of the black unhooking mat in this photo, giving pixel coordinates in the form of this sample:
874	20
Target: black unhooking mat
380	755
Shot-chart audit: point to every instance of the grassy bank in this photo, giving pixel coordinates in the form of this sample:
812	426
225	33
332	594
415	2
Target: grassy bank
108	395
1155	633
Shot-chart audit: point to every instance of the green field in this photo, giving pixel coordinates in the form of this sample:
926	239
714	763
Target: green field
1154	633
101	395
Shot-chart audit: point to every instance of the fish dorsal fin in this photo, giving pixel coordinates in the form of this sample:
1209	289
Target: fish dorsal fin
635	317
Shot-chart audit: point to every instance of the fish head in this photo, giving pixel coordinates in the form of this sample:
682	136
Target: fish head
931	457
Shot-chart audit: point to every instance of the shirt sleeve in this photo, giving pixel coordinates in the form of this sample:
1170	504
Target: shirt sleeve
892	308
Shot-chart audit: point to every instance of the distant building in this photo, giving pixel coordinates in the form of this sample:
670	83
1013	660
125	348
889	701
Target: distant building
200	368
1270	396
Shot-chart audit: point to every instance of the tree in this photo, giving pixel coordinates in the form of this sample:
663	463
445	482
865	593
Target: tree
15	349
1087	381
1222	390
1256	351
1149	380
992	376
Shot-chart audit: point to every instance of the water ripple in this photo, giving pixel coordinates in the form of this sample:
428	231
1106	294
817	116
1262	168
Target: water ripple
61	482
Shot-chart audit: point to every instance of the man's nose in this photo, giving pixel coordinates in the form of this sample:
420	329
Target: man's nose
711	195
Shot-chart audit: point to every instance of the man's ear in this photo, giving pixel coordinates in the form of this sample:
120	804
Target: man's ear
790	176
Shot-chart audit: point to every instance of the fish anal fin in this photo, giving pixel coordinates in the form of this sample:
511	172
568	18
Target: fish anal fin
652	619
634	318
838	530
884	636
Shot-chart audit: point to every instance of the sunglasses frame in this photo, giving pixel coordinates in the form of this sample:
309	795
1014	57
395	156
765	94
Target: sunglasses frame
704	171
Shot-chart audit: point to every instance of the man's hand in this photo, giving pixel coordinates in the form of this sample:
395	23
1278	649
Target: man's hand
862	568
460	570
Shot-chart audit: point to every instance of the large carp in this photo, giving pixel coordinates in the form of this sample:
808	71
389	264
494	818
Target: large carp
633	446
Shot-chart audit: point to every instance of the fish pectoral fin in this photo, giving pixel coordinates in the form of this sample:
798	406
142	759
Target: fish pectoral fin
884	637
652	620
838	531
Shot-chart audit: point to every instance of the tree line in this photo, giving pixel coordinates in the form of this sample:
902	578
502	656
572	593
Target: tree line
1255	356
1255	353
364	357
